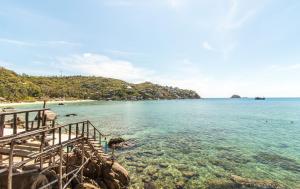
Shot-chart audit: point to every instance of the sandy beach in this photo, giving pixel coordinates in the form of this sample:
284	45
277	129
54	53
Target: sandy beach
5	104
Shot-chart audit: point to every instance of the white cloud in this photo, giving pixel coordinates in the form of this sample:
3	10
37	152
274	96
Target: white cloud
237	16
15	42
175	3
36	43
207	46
120	2
101	65
291	67
5	64
123	53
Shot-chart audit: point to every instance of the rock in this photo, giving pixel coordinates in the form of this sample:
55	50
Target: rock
235	96
49	115
86	186
25	181
51	176
112	184
139	169
149	185
101	184
258	184
121	174
92	170
163	165
68	115
115	141
188	174
38	181
278	161
220	184
179	185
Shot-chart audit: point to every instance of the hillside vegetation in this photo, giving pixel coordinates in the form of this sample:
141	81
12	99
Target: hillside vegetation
15	87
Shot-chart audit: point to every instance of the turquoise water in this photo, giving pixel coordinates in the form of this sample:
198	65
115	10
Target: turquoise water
194	142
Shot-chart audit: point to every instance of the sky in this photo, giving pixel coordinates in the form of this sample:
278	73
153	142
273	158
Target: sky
217	47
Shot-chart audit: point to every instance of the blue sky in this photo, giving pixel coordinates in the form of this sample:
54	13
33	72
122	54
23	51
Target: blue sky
216	47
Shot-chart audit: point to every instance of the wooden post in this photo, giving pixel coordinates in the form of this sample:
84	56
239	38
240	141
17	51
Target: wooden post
44	105
94	133
76	130
88	129
15	124
53	132
2	119
27	121
70	129
43	118
11	162
60	183
39	119
59	135
82	160
82	134
41	150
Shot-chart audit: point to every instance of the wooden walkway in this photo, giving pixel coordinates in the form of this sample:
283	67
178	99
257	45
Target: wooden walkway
45	145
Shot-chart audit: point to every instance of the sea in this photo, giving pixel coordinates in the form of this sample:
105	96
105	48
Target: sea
201	143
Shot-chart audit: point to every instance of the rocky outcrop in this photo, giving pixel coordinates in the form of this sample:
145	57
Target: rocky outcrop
105	174
237	182
235	96
120	143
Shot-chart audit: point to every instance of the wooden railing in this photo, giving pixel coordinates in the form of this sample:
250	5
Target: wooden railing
39	118
63	137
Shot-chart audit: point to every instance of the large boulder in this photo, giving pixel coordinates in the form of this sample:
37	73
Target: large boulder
86	186
115	141
112	183
25	181
121	174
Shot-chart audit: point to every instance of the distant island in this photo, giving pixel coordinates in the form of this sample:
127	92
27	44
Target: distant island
235	96
259	98
16	88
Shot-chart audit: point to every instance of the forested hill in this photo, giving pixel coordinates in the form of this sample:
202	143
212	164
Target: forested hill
15	87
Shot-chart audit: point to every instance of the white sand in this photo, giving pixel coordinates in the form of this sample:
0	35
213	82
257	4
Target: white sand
41	102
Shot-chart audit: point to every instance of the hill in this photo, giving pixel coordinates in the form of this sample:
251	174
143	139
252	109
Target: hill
15	87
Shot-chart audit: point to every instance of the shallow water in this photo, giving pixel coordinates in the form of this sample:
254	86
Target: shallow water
192	142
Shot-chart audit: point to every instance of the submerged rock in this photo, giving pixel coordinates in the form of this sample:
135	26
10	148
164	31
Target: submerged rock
237	182
278	161
179	185
149	185
189	174
252	183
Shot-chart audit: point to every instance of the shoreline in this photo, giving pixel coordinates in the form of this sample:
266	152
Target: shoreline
41	102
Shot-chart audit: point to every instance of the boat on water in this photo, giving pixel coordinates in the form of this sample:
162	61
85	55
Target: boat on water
259	98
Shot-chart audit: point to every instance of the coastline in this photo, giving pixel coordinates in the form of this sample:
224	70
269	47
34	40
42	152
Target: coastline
41	102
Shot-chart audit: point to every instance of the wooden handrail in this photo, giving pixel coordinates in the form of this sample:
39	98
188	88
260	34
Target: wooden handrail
8	139
23	111
80	139
96	129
